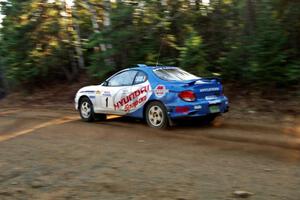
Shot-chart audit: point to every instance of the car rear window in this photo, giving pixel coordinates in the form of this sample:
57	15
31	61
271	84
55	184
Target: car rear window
174	74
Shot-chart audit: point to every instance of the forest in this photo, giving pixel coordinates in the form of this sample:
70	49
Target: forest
249	43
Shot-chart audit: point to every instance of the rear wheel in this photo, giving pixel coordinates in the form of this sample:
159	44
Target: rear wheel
209	119
156	115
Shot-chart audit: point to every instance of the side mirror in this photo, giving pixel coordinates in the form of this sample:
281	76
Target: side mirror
105	83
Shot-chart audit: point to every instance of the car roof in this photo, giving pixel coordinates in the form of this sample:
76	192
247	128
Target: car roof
147	67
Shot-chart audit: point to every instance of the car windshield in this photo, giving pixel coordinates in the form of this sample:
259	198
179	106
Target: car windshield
174	74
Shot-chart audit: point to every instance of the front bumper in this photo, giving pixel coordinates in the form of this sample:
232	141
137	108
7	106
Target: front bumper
199	108
76	102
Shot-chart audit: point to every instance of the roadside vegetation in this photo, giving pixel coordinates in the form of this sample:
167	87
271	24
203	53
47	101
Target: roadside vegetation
253	44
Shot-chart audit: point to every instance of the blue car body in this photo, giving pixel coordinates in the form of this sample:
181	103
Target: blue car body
208	92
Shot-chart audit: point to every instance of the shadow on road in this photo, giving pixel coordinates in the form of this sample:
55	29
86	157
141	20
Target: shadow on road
178	124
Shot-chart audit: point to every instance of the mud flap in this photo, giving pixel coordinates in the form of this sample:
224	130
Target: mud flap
170	121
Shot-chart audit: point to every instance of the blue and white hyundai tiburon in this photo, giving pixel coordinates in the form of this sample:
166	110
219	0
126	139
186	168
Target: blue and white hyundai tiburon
157	94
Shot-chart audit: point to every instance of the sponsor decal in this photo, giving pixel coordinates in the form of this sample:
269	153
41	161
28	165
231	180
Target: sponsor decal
214	101
98	92
106	93
87	91
209	89
133	100
137	102
197	107
212	97
160	91
140	79
92	97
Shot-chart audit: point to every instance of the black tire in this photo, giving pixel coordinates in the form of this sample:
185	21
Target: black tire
99	117
207	120
158	111
84	114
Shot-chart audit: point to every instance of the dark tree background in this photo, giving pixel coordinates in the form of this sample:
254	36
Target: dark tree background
250	43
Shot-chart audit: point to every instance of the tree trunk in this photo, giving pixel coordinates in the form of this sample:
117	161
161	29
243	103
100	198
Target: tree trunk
198	4
250	17
3	81
71	71
106	24
94	20
77	37
3	84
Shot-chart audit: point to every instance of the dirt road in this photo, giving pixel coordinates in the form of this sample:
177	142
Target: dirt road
51	154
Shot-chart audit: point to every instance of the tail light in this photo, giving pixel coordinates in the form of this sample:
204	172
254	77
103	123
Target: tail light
187	95
182	109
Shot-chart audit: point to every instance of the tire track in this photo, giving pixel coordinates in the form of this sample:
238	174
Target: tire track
59	121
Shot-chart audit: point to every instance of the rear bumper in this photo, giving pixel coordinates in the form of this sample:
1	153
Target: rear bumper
201	107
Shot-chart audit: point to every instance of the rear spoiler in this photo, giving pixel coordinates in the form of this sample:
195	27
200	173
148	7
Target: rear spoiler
205	79
213	78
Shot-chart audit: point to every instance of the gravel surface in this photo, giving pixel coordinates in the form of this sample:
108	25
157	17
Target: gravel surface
51	154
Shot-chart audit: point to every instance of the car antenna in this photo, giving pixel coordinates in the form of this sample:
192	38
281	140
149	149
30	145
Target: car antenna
160	47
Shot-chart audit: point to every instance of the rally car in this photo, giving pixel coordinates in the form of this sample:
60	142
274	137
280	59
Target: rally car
158	94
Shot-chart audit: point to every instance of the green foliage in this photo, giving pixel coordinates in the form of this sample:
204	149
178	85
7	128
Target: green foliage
34	45
191	55
248	42
262	56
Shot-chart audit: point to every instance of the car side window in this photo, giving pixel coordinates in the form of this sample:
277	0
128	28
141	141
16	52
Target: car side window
141	77
123	78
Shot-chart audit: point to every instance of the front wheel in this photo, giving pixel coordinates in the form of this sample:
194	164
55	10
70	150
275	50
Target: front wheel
156	115
86	110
